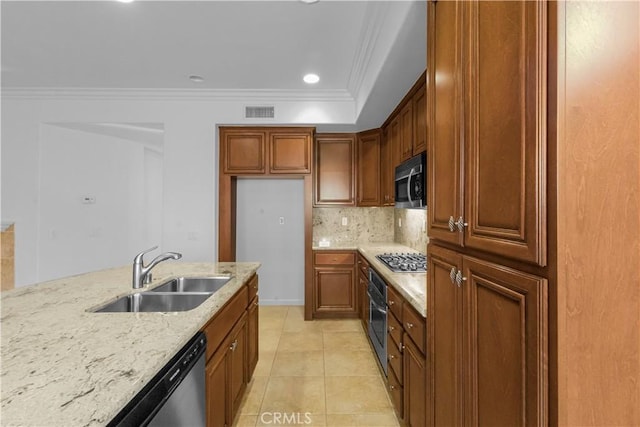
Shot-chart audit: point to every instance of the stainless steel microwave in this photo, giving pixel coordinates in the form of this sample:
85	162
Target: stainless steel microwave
411	183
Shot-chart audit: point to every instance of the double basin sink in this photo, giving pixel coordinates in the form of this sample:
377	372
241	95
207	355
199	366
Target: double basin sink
179	294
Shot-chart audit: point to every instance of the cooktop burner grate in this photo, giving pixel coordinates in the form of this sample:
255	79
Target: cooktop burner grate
404	262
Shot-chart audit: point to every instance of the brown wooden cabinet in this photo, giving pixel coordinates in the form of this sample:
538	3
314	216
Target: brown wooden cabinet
389	158
265	150
334	284
252	327
419	101
406	361
231	356
488	342
368	165
363	284
406	131
493	198
334	173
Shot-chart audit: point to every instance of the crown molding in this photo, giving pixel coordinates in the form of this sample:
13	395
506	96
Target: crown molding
373	24
126	94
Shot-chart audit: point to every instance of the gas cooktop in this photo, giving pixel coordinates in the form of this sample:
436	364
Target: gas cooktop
404	262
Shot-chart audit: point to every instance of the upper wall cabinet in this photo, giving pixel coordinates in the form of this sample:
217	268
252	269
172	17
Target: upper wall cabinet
486	108
369	168
334	172
263	150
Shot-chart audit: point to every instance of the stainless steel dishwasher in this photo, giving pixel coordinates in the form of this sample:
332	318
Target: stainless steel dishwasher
175	397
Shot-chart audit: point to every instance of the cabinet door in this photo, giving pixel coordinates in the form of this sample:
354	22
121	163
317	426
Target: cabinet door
290	152
237	365
406	131
216	389
386	169
335	290
506	314
420	120
369	168
505	129
335	170
415	385
243	151
444	110
252	337
445	329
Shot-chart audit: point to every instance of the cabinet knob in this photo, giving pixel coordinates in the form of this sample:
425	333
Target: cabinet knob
391	302
391	328
409	325
452	224
392	387
452	275
460	224
391	356
233	346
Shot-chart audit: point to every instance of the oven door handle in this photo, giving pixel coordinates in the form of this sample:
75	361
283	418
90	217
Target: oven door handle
377	306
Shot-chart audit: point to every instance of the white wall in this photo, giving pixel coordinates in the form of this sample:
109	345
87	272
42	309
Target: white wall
76	237
190	157
260	236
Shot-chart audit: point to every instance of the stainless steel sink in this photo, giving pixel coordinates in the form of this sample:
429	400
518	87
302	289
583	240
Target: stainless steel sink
154	302
193	284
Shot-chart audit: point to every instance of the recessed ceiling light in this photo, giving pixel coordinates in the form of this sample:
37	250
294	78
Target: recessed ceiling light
311	78
309	1
125	1
196	79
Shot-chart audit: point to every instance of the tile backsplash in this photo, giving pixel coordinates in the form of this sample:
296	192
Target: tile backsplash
410	228
365	225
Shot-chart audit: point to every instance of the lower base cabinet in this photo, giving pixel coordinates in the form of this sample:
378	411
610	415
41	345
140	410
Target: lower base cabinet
406	361
334	284
232	353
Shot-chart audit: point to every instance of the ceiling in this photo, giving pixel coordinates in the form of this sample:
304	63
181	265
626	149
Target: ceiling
368	52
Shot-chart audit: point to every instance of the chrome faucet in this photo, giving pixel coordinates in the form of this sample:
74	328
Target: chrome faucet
140	272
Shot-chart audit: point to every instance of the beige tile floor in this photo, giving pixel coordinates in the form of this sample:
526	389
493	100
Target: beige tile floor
317	373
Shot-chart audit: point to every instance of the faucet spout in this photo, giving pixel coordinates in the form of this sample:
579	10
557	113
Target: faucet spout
140	271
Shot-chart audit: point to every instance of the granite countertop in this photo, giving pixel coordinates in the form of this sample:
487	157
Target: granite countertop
412	286
65	366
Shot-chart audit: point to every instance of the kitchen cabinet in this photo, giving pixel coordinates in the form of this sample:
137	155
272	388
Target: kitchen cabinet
334	171
389	158
231	356
252	327
363	284
419	101
406	131
265	150
488	342
368	178
334	284
487	122
406	361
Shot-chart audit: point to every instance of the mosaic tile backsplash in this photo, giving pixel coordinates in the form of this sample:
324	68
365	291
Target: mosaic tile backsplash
371	225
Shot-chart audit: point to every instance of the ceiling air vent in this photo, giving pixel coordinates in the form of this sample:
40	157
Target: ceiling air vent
259	112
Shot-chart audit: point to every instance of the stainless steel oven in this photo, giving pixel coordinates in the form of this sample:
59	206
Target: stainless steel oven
377	291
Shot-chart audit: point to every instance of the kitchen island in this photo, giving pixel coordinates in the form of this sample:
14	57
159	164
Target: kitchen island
63	365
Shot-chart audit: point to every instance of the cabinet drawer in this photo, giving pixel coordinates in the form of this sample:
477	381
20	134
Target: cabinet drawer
394	327
414	325
253	288
363	266
394	357
396	392
330	258
394	301
216	330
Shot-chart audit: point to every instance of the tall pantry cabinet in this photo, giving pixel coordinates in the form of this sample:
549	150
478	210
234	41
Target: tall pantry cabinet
486	77
533	168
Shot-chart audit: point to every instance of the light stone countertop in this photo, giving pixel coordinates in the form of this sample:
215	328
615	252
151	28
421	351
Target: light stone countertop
412	286
65	366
